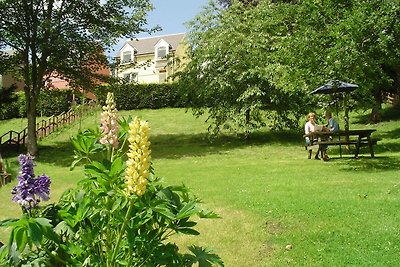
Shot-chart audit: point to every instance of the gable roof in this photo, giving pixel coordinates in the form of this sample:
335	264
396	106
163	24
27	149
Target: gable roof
146	45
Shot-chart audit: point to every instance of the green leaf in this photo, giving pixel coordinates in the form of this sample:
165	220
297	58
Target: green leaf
205	258
43	222
187	231
74	163
117	167
99	166
3	252
21	238
188	210
35	232
165	210
64	229
7	222
116	204
209	214
183	223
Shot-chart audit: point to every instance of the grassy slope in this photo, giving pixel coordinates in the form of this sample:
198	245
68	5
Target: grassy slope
336	213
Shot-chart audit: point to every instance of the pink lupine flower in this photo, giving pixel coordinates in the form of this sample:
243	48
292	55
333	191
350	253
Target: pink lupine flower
109	125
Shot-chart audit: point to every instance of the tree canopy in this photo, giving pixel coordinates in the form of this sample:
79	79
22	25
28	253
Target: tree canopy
247	63
65	38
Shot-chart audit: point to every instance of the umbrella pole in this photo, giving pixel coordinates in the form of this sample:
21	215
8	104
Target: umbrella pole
346	119
337	117
346	113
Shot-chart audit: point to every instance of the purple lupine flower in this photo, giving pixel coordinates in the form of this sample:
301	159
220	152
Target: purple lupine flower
30	190
26	166
42	187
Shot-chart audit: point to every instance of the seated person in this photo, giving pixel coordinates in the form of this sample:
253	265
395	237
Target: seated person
309	127
332	125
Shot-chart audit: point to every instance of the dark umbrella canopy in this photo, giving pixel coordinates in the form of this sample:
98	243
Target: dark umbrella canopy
335	86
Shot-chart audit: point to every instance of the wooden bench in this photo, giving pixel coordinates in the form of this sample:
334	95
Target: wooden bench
325	143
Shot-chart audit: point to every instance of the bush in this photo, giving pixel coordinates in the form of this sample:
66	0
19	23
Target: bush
54	102
140	96
51	102
8	103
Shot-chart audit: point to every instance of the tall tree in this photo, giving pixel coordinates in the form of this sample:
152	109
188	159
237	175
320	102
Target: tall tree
63	37
354	41
232	75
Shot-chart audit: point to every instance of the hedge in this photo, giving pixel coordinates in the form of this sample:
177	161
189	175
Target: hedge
140	96
53	102
127	97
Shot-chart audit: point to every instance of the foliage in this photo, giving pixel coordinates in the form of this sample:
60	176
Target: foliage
54	102
266	190
8	97
65	39
228	3
130	96
102	221
51	102
348	40
269	56
232	73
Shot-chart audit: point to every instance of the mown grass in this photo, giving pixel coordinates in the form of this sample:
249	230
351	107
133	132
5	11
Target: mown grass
337	213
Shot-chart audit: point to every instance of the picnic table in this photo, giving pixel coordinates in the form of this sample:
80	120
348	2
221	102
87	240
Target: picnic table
359	138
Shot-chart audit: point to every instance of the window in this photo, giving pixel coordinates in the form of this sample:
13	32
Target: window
130	77
126	57
161	53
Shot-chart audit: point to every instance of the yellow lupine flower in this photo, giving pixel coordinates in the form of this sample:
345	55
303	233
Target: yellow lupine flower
139	159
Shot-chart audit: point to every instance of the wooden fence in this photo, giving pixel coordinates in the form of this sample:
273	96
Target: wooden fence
5	177
13	139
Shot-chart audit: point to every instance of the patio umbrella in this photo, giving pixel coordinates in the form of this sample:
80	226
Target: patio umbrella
334	87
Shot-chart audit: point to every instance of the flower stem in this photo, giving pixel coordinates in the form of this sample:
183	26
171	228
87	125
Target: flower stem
123	228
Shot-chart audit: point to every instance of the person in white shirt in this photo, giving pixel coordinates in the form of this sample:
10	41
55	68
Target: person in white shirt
309	127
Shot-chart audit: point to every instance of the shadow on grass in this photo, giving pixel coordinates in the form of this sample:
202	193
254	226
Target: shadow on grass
368	164
178	145
173	146
394	134
60	153
388	113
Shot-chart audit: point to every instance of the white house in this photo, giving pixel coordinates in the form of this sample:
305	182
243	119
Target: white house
150	60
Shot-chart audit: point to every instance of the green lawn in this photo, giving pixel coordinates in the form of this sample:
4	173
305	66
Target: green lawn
337	213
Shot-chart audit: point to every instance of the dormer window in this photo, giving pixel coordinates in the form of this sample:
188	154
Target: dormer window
126	57
161	53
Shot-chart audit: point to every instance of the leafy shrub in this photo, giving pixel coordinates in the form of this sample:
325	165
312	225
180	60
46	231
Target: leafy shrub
8	105
139	96
120	214
53	102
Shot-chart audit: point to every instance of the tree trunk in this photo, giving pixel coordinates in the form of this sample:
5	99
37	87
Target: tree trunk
376	115
247	130
31	100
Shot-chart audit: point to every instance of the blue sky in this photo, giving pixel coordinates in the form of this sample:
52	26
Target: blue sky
170	15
